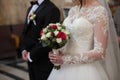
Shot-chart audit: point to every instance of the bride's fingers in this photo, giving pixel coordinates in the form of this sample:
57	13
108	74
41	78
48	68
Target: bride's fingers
50	55
53	61
52	58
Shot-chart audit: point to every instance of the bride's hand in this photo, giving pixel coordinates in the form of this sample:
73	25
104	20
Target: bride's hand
56	58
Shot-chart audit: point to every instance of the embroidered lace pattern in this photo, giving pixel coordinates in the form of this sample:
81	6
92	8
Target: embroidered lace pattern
97	16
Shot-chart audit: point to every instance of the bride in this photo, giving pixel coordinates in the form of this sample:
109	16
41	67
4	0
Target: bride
92	53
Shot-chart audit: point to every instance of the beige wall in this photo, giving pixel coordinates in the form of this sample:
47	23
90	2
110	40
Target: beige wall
14	11
62	4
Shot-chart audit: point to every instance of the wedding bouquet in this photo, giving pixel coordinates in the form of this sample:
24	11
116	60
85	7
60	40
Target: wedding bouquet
54	36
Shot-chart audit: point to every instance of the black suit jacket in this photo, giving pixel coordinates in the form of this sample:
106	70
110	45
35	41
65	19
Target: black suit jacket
46	13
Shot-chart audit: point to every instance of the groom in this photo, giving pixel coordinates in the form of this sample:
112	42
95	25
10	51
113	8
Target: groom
39	15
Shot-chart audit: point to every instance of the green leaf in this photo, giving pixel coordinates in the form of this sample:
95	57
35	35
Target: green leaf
57	67
44	44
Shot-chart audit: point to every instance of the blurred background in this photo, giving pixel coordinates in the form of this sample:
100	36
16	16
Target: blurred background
12	16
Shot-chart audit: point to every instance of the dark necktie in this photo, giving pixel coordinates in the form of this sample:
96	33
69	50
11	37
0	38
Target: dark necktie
34	2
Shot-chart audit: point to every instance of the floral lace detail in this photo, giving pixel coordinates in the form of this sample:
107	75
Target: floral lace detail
93	14
81	58
98	46
97	16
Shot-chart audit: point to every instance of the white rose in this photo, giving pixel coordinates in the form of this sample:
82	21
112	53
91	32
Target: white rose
43	37
58	24
48	26
44	30
56	32
59	27
58	40
66	32
51	24
48	34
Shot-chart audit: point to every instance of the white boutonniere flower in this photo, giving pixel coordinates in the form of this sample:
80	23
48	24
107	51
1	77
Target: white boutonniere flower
32	17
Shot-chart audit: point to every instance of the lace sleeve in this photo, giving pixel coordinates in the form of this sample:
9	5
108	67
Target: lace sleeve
100	42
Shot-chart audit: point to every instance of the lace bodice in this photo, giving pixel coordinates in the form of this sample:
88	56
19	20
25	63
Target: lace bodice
88	28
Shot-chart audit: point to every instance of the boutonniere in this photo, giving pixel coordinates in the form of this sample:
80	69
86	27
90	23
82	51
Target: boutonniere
32	17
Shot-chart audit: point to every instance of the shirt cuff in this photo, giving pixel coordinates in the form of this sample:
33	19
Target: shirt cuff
29	57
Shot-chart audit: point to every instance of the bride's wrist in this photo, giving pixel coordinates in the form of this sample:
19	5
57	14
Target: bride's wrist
66	59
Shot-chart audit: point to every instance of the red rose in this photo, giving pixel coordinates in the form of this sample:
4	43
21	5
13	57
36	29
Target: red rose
41	32
61	35
53	27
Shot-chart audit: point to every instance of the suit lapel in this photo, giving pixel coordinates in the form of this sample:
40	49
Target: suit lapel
36	11
40	7
26	23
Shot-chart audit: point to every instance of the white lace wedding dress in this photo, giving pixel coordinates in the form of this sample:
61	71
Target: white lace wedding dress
86	48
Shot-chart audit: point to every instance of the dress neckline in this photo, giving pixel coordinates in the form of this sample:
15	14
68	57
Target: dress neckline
86	8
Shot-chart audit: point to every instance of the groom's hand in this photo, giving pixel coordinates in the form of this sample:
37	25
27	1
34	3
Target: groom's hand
24	55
